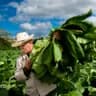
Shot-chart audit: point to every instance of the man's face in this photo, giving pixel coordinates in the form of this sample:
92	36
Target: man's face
27	47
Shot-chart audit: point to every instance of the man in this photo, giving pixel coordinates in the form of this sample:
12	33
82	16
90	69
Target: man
34	87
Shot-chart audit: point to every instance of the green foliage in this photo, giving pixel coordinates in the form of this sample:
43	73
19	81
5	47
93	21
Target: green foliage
71	60
4	44
8	85
78	18
4	33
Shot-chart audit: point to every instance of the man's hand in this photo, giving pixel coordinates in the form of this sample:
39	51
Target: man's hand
27	67
28	64
56	35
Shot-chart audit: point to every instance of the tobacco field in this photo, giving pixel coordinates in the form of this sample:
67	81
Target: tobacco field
69	62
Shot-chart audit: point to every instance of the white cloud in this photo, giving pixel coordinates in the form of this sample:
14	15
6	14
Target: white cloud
27	26
48	9
51	8
92	19
14	4
20	18
38	29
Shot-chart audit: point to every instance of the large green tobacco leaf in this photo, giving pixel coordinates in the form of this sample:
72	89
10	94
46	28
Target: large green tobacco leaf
57	51
72	65
73	93
92	91
79	18
90	35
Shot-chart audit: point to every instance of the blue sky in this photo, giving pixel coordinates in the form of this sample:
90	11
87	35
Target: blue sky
38	17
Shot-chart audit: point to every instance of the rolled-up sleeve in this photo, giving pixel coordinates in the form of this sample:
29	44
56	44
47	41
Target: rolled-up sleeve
19	73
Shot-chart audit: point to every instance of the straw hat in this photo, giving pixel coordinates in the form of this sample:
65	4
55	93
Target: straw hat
22	38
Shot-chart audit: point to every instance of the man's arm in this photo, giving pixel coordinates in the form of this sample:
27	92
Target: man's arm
20	70
27	67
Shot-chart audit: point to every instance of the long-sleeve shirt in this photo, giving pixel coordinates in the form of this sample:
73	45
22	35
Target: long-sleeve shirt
34	87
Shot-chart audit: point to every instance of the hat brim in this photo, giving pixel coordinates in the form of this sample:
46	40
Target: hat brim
19	43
